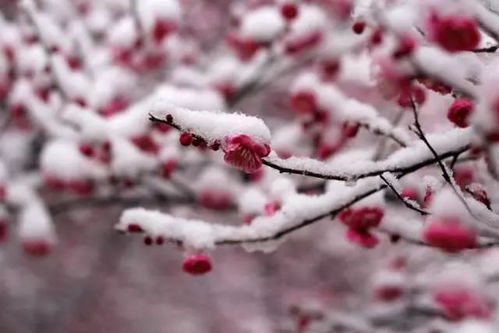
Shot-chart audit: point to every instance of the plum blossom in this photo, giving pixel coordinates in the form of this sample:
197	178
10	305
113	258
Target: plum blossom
242	152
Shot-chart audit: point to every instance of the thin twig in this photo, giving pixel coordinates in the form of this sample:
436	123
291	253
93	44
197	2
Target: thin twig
445	172
407	203
489	49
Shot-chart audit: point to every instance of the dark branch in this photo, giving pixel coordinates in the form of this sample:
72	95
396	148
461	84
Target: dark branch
407	203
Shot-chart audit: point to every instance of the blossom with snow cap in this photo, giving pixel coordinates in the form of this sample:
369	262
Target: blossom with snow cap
242	152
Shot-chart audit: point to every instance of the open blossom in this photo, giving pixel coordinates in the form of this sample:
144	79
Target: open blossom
215	199
242	152
460	111
360	222
455	33
459	302
449	234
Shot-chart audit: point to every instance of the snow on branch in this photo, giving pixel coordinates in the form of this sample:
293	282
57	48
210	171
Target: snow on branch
297	212
400	161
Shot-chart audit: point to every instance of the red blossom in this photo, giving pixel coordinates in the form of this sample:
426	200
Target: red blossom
303	102
449	234
197	264
242	152
459	302
215	199
289	11
455	33
460	111
162	28
362	238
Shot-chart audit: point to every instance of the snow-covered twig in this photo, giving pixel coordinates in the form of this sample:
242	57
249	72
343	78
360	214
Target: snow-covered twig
406	202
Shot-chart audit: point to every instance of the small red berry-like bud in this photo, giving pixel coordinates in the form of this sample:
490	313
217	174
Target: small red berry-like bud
87	149
460	111
73	62
394	238
358	27
169	118
160	240
148	240
289	11
134	228
185	139
197	264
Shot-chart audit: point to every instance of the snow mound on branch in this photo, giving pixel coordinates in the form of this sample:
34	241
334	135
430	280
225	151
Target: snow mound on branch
35	223
351	169
63	159
213	125
263	24
128	160
196	234
311	19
